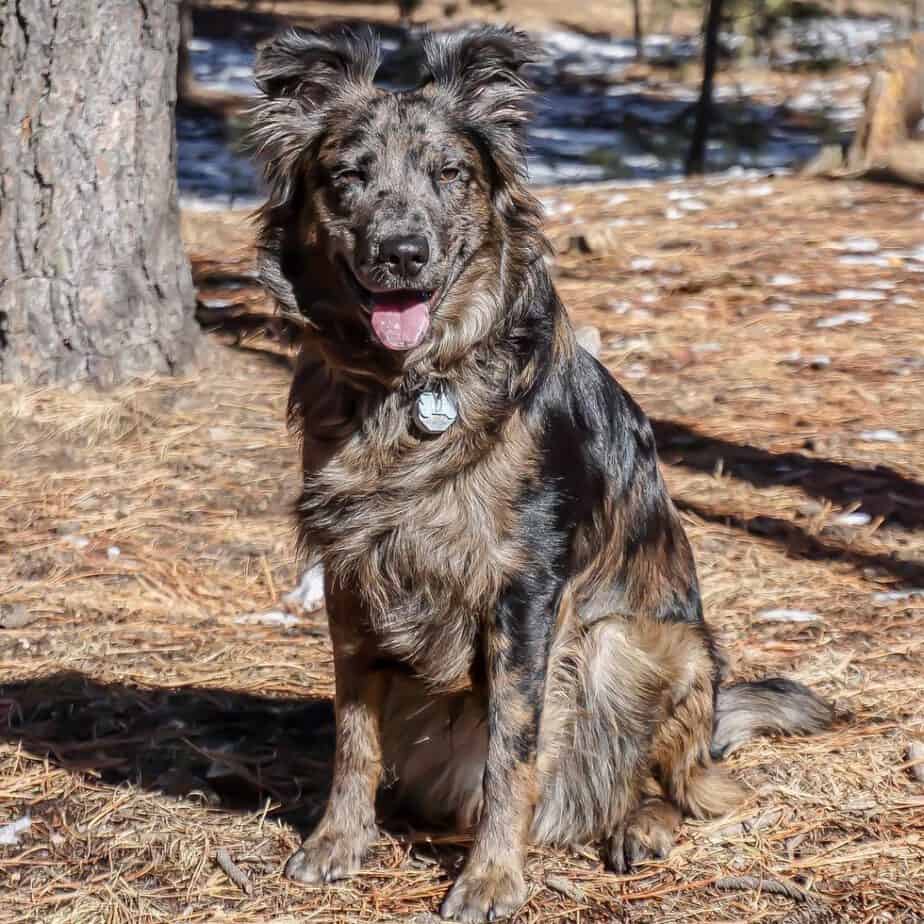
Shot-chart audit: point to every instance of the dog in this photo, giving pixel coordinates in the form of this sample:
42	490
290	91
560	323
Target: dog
519	643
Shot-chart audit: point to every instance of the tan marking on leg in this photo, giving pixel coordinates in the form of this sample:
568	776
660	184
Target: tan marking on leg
336	847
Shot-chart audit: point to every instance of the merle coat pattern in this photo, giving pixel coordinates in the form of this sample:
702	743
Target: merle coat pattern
518	638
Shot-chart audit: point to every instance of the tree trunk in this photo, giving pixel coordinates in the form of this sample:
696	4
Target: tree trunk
696	158
638	30
94	282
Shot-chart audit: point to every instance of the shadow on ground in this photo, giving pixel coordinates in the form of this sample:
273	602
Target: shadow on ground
880	491
232	750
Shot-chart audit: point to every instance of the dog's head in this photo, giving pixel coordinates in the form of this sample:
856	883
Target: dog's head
387	209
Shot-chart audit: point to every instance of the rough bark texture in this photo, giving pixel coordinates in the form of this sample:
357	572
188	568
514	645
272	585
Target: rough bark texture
94	282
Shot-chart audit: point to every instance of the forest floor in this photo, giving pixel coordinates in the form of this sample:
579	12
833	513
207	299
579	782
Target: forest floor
772	330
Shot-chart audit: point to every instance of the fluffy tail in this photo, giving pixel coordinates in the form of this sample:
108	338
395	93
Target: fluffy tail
766	707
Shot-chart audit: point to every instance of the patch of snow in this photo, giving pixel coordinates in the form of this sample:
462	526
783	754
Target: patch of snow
859	245
862	260
786	615
857	518
887	596
881	436
642	161
784	279
309	594
9	833
857	295
848	317
271	618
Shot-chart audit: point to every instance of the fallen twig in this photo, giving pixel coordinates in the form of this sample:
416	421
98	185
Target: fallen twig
565	887
233	871
772	886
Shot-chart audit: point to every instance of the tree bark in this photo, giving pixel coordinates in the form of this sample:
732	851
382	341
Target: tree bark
94	283
696	158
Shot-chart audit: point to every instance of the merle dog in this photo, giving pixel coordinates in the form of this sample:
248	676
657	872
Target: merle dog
516	623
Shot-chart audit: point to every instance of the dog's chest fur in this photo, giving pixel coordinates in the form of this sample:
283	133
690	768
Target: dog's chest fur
423	530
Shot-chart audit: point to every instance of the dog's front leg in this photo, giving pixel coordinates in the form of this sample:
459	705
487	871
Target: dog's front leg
336	847
516	653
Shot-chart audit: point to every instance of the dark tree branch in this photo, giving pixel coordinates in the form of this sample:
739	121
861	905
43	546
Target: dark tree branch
696	158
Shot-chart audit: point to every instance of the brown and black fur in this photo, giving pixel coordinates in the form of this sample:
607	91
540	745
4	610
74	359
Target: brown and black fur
518	638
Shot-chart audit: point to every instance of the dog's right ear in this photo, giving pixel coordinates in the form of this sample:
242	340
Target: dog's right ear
310	66
298	75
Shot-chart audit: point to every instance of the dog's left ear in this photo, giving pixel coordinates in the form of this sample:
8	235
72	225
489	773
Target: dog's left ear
481	71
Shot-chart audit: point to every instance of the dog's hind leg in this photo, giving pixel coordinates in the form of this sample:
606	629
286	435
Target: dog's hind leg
680	755
648	832
629	749
600	717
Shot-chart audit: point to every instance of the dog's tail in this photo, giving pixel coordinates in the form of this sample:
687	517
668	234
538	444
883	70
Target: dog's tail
775	706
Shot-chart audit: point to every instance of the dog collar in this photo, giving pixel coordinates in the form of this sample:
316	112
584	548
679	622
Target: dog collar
435	410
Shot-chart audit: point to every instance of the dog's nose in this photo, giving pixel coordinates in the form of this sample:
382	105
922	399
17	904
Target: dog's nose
406	255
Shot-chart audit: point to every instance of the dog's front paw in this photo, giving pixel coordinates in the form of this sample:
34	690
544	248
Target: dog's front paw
327	856
489	893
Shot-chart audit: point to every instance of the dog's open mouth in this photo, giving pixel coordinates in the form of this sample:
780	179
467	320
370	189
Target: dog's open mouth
400	318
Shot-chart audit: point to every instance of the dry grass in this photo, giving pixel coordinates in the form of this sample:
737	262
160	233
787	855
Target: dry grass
143	729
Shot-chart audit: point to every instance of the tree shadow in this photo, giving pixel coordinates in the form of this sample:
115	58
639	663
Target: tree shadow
233	750
880	491
801	544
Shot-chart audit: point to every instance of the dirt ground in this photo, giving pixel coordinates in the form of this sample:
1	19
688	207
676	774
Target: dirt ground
772	330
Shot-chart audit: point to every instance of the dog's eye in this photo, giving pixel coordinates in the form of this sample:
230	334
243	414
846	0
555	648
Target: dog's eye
450	174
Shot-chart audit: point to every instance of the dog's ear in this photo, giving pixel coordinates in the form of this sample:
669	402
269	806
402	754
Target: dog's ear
481	70
311	66
298	75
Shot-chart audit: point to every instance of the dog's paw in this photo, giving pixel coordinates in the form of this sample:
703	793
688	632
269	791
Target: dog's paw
649	834
327	856
489	893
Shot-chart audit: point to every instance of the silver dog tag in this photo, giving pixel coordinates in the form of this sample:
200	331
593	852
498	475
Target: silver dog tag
435	411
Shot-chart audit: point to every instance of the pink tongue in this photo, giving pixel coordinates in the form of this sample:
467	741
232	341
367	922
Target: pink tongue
400	320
